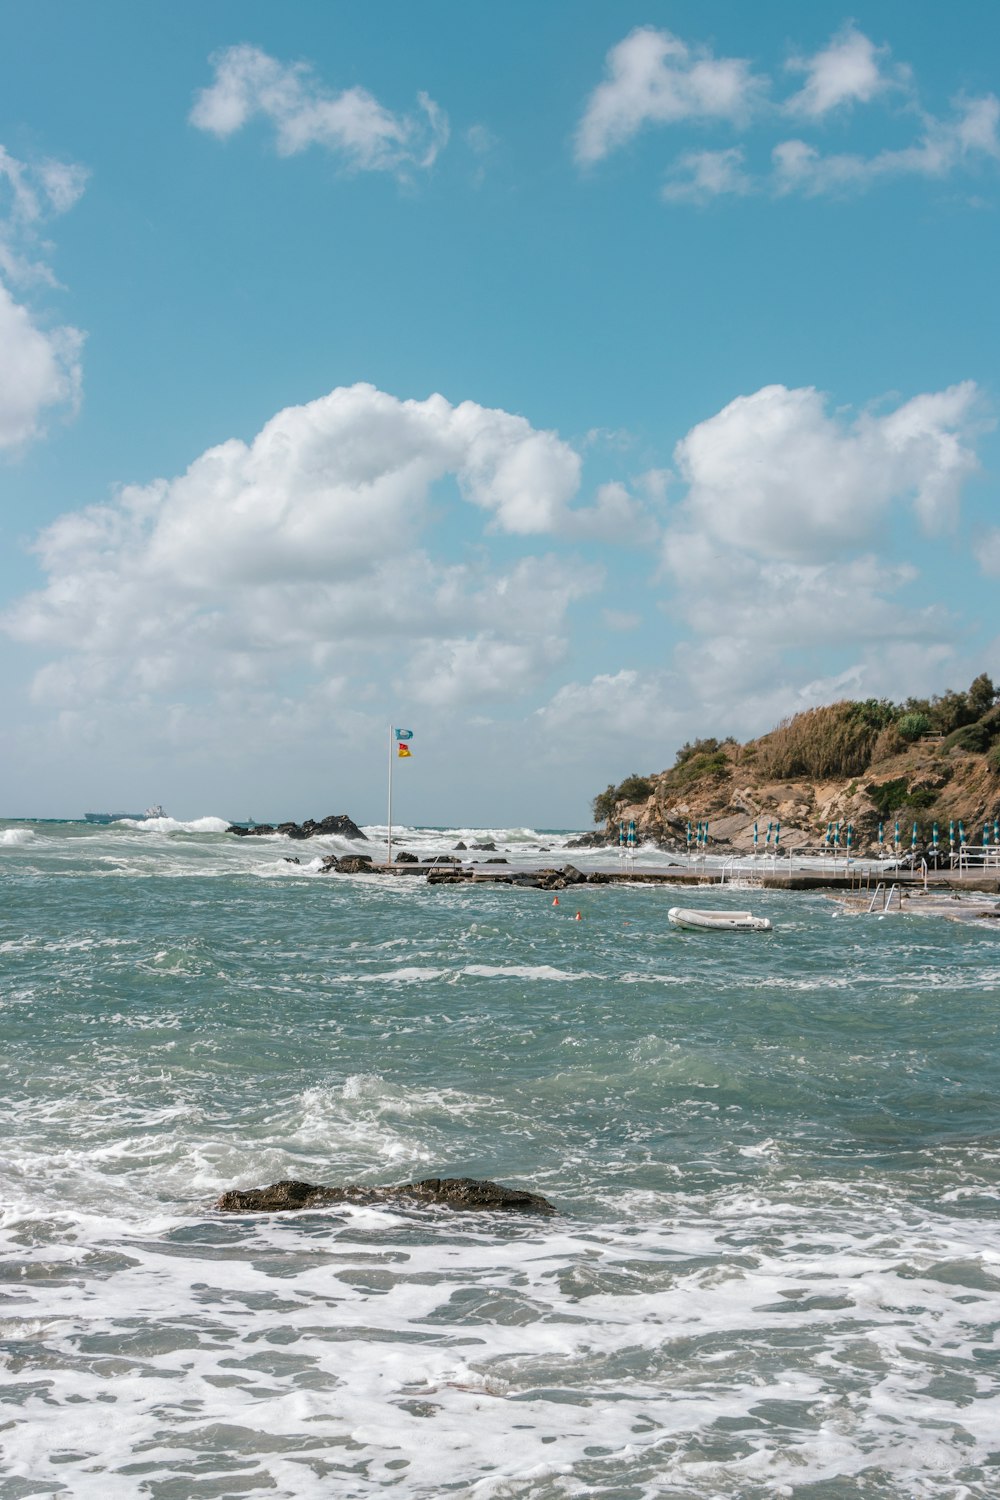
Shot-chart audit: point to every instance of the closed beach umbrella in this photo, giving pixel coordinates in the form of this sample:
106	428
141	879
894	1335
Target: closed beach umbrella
986	835
767	841
850	836
828	836
777	835
996	830
934	837
836	834
896	836
913	838
755	837
631	833
961	834
951	833
621	833
880	837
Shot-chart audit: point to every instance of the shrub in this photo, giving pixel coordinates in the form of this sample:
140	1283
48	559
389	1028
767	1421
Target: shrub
889	743
888	795
695	747
975	737
921	796
836	740
913	726
634	788
603	804
696	766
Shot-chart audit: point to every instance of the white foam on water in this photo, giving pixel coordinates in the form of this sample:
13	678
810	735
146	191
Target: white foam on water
425	1352
174	825
11	836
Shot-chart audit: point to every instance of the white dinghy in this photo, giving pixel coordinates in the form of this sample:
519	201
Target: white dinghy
716	921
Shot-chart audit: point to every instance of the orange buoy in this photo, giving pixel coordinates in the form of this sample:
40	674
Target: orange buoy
578	918
555	900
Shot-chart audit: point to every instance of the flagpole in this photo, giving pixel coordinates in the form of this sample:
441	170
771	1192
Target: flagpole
389	818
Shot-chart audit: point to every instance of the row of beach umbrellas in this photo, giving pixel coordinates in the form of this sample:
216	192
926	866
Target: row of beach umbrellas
834	838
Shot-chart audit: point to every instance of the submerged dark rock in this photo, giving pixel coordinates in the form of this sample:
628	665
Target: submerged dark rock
472	1193
334	823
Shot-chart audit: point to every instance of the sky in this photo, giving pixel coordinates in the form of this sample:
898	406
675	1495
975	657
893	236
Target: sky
561	382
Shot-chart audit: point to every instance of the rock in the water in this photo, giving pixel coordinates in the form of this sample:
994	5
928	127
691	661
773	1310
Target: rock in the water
402	858
448	1192
355	864
335	823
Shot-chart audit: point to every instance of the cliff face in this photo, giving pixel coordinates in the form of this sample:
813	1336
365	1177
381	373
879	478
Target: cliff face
731	788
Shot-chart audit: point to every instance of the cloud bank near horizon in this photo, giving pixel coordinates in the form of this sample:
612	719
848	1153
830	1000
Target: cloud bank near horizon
279	577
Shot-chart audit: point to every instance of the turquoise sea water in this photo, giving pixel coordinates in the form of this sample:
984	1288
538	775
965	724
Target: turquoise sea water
776	1266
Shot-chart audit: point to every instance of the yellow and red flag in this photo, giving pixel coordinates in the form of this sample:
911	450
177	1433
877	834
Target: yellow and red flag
403	751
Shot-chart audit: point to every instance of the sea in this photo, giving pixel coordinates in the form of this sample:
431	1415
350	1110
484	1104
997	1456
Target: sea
775	1265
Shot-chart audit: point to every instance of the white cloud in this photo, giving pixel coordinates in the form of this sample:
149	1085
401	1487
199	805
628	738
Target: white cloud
988	552
849	70
699	176
39	366
616	518
656	79
352	124
300	551
776	476
970	137
39	370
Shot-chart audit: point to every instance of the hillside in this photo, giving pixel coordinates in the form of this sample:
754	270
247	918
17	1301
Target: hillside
924	761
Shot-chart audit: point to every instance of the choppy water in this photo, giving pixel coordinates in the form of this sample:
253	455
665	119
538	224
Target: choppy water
776	1269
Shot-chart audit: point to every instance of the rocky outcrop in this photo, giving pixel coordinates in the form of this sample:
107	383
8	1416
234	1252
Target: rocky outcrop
926	782
334	823
447	1192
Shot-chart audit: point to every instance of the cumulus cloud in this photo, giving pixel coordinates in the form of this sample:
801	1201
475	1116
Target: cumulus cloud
851	69
768	557
301	549
653	78
776	475
39	365
352	124
39	370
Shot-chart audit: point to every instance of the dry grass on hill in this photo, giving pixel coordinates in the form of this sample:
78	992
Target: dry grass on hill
834	741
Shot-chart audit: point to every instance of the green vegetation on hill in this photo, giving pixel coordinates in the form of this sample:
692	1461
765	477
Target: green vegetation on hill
838	740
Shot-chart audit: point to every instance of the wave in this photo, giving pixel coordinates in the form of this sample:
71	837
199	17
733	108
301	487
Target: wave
16	836
175	825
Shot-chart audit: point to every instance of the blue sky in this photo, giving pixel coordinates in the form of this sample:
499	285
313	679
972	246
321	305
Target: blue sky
562	382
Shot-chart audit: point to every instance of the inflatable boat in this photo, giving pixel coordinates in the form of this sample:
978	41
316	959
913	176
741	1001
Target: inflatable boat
716	921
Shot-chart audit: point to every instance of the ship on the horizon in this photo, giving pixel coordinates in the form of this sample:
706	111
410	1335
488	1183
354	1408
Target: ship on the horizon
156	811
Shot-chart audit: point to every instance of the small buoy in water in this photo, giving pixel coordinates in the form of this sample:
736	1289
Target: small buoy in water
555	900
578	918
